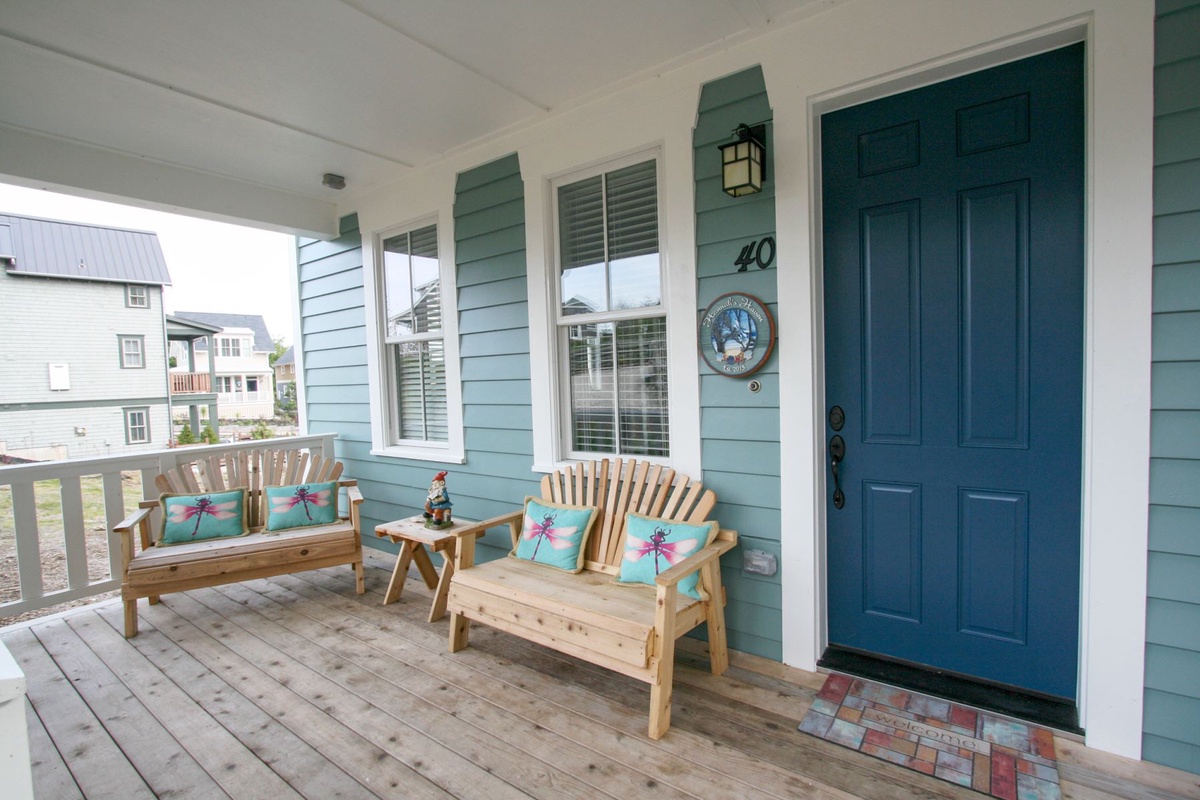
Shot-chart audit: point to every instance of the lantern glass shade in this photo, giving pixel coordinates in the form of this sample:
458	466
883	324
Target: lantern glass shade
742	166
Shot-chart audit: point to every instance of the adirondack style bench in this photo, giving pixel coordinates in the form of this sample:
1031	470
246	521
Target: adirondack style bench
154	570
630	630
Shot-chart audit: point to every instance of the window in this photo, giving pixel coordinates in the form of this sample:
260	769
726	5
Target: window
229	347
132	352
414	352
137	296
611	323
224	384
137	425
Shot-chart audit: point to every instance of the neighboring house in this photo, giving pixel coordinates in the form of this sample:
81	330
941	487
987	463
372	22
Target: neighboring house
285	372
82	348
241	369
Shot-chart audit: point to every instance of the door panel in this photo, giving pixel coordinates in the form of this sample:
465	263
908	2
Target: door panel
953	279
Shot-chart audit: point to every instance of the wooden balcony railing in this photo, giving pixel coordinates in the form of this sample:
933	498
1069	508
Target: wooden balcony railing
191	383
48	509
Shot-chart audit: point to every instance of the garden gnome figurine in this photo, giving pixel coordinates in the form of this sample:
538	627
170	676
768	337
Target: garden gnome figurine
437	504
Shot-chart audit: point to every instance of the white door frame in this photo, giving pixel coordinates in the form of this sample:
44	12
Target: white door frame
1118	255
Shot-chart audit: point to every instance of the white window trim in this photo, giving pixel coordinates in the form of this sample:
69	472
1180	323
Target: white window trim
560	366
676	229
451	451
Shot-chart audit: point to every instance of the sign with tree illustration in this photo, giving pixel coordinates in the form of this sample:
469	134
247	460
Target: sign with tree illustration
737	334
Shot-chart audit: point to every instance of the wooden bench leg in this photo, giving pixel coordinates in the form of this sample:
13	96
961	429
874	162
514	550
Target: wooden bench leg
460	627
718	647
360	586
131	619
664	673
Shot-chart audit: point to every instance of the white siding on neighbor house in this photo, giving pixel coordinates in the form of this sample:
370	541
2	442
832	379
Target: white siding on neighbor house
104	429
79	324
260	405
53	321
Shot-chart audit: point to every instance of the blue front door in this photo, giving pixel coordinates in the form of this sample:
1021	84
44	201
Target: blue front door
953	284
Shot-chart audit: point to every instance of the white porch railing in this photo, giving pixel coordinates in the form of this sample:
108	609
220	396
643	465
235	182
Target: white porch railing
27	532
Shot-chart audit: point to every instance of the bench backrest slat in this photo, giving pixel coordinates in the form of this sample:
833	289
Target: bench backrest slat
617	486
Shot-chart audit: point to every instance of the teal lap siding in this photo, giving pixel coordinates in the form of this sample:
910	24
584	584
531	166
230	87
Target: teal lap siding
1171	730
489	234
739	430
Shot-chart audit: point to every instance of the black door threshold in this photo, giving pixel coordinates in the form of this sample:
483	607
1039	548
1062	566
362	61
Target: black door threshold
1050	712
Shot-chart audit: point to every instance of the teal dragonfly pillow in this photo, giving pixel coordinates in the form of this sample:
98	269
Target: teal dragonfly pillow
195	517
554	534
654	545
301	505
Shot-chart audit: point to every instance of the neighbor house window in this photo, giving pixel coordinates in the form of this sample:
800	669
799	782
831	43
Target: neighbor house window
133	354
224	384
137	425
611	321
137	296
413	338
229	347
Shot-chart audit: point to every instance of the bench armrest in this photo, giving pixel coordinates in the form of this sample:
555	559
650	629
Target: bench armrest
476	528
693	562
464	551
138	521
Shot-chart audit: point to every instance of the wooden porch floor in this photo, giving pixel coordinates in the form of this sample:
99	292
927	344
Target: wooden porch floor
295	687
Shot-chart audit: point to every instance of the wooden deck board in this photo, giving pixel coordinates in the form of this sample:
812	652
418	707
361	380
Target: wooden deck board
295	686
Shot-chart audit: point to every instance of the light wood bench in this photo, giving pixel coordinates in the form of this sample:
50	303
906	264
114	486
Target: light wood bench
631	630
151	571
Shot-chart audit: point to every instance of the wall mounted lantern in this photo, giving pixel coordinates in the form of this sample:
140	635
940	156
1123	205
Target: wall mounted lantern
744	161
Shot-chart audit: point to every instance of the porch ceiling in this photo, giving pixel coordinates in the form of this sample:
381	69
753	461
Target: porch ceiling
235	109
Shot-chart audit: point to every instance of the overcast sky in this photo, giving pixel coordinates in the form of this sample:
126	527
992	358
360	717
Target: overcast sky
215	267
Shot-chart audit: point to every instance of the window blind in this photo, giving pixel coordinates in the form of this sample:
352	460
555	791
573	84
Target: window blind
632	205
420	374
619	387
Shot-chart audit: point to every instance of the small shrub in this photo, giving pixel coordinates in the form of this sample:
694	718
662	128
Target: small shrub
185	435
261	431
208	435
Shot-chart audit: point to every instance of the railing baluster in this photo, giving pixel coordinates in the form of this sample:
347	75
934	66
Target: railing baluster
114	512
29	551
74	531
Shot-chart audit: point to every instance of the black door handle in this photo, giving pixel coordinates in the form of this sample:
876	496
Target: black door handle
837	452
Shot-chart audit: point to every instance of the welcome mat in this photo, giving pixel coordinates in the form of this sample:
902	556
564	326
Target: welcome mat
994	755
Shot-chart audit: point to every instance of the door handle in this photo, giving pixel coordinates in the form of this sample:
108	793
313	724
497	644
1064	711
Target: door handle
837	452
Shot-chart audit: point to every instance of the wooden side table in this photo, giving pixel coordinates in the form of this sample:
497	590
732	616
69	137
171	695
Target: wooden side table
413	537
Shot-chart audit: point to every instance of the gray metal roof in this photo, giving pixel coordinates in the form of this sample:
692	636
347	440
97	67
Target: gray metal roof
255	322
53	249
287	357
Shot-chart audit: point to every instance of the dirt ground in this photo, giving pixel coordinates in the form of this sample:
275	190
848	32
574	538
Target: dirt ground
54	574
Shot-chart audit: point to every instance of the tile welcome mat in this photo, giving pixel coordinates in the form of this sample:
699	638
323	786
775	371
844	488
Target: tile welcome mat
990	754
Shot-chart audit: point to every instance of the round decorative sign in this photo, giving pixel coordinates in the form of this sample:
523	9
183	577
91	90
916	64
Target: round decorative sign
737	334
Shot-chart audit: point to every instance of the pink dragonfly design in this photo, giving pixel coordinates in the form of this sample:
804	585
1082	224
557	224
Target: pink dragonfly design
204	506
545	531
673	552
302	495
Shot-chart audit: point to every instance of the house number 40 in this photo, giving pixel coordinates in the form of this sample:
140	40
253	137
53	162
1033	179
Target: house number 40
761	252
